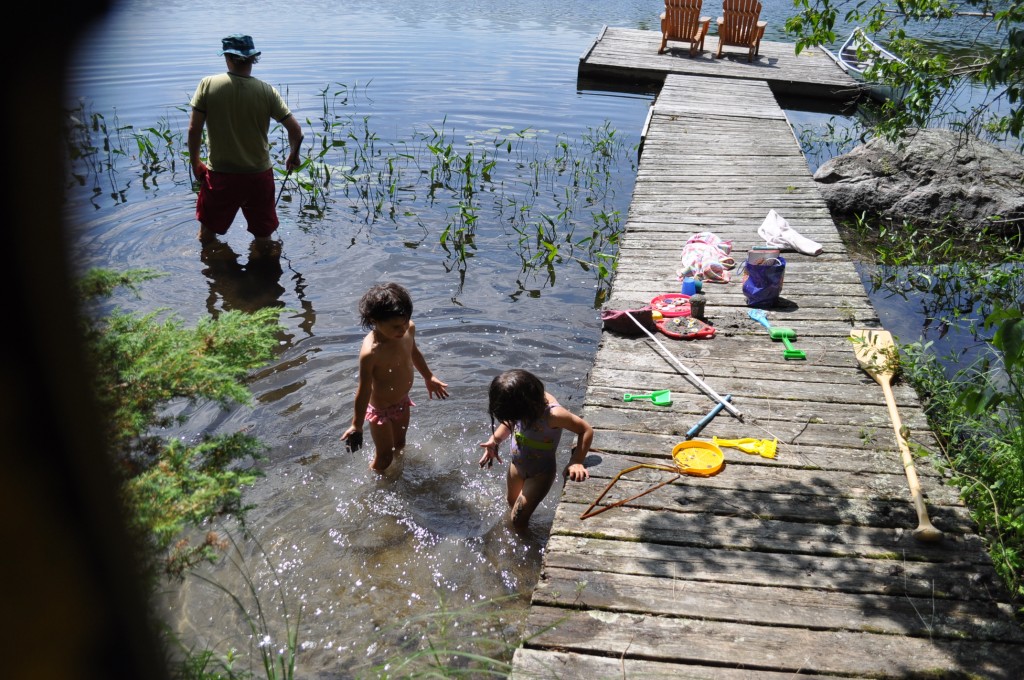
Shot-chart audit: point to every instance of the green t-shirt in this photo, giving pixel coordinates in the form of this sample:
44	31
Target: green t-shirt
238	111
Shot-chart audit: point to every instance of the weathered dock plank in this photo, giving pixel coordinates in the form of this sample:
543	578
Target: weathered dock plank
748	532
531	665
692	565
772	604
703	641
799	496
881	478
802	563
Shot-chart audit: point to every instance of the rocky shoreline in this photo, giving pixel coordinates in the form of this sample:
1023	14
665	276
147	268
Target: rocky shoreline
932	177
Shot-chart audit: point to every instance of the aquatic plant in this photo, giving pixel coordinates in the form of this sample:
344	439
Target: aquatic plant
470	642
552	208
960	278
273	629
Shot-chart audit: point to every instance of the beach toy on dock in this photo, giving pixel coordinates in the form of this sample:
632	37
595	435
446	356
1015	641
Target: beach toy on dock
672	304
691	457
776	333
762	447
685	328
695	430
693	377
657	397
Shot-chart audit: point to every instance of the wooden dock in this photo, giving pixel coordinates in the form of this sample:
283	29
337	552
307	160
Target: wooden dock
799	564
631	56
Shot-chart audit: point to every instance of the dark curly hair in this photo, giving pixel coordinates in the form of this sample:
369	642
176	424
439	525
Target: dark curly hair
382	302
241	61
516	396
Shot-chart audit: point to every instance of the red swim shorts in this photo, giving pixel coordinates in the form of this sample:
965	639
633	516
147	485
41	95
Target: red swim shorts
223	193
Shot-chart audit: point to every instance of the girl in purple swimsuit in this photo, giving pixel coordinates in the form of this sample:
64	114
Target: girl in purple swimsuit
534	421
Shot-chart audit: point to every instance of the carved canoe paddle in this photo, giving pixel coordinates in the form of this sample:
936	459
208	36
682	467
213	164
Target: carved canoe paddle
877	354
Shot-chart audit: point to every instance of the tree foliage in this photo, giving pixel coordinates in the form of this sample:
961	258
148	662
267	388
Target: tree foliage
996	60
145	365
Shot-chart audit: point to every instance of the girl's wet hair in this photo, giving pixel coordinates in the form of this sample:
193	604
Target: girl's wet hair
516	396
382	302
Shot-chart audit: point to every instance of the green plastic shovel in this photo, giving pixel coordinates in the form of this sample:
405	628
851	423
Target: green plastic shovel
657	397
776	333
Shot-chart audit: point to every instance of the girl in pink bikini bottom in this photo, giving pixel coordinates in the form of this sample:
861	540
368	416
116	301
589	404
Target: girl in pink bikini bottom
379	416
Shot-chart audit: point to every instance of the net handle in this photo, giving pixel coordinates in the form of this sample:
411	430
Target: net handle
590	512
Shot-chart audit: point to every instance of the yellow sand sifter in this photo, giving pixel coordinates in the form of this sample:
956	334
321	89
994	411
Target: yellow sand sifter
691	457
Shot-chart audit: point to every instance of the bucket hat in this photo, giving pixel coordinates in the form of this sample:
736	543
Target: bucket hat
239	44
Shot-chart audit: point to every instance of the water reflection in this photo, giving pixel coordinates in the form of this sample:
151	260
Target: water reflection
361	556
254	285
247	288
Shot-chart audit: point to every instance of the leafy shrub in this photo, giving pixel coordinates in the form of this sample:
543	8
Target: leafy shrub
143	365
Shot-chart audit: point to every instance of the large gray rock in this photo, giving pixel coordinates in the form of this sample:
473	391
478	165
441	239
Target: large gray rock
938	176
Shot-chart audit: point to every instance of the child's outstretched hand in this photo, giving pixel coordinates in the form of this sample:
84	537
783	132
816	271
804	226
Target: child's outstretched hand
436	387
490	453
353	439
577	472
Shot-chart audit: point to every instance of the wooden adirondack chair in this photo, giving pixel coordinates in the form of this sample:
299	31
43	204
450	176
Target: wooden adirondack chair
681	22
739	26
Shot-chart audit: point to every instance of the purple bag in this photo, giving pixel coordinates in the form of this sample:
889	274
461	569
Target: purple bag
762	282
616	321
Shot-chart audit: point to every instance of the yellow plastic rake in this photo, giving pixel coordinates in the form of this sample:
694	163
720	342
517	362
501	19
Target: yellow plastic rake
692	457
762	447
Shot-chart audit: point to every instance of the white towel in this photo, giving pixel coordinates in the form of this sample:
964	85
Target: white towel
777	233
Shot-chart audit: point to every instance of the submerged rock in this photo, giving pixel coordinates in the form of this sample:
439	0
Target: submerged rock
934	177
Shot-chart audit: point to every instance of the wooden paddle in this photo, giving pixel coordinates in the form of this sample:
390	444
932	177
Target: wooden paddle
877	354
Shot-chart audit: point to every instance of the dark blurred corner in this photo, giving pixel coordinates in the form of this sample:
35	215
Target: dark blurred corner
73	606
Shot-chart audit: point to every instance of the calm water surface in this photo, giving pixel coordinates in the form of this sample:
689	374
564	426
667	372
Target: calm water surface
360	553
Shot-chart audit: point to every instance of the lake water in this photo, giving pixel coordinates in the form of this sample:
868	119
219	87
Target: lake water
361	554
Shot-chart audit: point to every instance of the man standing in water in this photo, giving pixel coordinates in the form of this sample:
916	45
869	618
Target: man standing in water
236	110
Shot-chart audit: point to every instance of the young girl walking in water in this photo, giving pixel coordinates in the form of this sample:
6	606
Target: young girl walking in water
534	421
386	362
